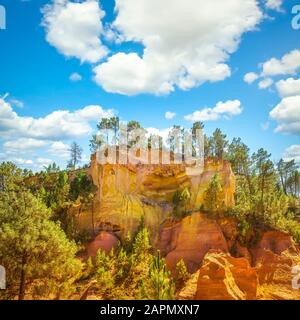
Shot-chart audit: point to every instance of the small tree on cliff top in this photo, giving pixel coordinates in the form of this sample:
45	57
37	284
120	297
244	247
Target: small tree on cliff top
75	155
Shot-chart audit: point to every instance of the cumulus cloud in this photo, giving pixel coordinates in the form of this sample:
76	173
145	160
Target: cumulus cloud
61	124
226	109
169	115
251	77
185	43
287	65
74	28
60	150
289	87
265	83
23	145
74	77
274	4
292	153
43	162
287	115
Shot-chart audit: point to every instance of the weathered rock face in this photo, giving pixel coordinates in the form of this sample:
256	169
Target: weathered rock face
105	241
223	277
128	195
188	291
275	256
275	276
274	241
190	240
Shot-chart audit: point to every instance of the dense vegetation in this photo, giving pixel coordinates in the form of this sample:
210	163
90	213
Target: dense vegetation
40	244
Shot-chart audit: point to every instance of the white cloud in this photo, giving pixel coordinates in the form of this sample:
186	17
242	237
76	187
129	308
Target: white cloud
186	43
75	77
22	162
287	65
169	115
226	109
288	87
274	4
74	29
292	153
59	149
287	114
250	77
265	83
22	145
61	124
43	162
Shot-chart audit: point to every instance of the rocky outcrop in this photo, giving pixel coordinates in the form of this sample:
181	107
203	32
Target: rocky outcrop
130	194
223	277
275	276
105	241
274	257
188	291
274	241
190	240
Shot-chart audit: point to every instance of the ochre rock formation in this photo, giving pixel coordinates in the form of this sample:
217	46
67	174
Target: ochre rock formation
130	194
274	241
274	256
275	276
223	277
188	291
105	241
190	240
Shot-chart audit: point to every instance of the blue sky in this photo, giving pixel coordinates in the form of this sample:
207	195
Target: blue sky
146	66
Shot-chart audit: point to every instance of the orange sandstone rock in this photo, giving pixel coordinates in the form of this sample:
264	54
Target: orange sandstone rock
274	241
223	277
190	240
134	193
105	241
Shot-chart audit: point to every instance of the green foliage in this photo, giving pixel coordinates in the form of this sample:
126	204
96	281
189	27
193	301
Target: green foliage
81	187
159	284
34	250
107	124
96	142
181	200
289	177
263	198
181	274
215	146
11	177
141	246
52	168
52	188
213	200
